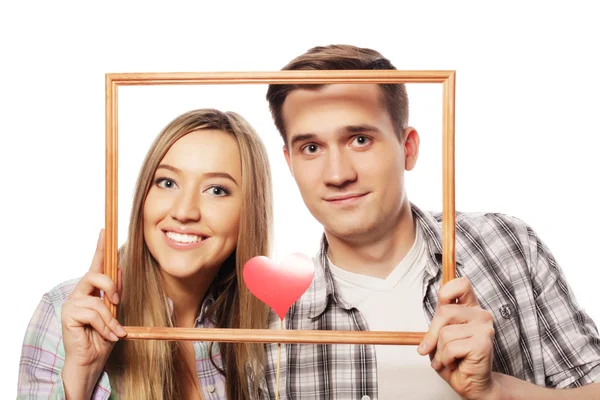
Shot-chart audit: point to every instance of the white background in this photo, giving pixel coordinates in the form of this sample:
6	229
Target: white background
527	130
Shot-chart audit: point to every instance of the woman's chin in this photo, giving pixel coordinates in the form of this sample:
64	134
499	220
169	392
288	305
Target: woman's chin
185	271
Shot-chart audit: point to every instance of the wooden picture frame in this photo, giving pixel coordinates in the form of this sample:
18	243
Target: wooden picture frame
114	80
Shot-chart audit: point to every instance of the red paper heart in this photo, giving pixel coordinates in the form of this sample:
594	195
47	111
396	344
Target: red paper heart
279	286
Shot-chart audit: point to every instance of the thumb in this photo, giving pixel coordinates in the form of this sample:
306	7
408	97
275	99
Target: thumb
98	260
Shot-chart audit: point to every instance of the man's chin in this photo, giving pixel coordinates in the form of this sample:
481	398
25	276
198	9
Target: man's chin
349	230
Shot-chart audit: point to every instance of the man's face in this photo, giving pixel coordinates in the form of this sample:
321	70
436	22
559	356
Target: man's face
346	157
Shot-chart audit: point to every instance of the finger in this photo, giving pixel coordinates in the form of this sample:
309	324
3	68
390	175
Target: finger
449	334
120	282
79	317
459	288
452	353
96	304
477	349
94	281
446	315
98	260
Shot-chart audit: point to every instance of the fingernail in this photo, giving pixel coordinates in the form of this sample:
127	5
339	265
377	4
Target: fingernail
116	298
113	337
120	330
422	347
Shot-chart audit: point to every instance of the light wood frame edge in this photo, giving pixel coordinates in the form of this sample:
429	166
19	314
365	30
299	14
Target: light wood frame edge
114	80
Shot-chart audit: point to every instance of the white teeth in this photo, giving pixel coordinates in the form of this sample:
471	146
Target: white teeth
183	238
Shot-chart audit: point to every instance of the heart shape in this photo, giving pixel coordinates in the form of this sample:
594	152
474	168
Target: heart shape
279	286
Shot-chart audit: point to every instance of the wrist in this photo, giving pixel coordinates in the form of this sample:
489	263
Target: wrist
79	382
495	391
498	388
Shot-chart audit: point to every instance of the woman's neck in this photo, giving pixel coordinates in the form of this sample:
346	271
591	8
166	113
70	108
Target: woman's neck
187	295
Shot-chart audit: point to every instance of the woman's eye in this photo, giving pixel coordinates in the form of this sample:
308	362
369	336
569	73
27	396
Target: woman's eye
165	183
218	191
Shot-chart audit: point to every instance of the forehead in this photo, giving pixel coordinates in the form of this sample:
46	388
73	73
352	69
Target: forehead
205	151
331	106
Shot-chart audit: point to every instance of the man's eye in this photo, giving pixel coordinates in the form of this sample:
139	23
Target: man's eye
362	140
311	148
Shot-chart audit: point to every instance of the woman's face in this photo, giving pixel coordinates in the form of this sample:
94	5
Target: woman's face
192	211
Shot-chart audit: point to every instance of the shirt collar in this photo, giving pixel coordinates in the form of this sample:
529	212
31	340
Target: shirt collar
323	286
208	301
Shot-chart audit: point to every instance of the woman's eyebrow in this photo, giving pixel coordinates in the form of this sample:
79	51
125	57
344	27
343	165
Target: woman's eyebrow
169	167
219	175
204	175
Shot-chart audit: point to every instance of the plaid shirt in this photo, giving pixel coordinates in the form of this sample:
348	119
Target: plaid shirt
43	354
542	335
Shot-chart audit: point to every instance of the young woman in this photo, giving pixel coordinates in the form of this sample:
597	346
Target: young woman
202	208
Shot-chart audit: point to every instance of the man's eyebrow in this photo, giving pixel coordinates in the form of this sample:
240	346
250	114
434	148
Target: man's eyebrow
362	128
302	137
206	174
353	129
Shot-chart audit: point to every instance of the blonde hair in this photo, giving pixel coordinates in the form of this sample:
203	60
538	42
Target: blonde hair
149	369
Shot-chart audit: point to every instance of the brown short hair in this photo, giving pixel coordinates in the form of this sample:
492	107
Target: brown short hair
341	57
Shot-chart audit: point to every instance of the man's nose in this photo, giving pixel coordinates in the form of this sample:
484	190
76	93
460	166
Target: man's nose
339	169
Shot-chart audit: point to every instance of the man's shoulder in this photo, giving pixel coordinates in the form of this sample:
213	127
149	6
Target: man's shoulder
483	221
476	231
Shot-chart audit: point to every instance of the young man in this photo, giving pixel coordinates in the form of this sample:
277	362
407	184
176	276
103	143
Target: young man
516	332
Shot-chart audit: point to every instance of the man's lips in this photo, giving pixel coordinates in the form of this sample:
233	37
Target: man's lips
345	197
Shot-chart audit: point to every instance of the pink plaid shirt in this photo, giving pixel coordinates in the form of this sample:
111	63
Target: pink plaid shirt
43	355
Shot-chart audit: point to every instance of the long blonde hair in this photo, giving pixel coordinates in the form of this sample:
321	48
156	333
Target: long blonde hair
149	369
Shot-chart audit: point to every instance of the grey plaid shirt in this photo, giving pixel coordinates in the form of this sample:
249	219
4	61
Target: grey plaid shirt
542	335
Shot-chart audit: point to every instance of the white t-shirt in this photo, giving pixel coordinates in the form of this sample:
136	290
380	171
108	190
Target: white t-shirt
395	304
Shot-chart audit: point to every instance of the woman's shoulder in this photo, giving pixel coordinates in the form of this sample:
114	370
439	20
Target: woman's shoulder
57	295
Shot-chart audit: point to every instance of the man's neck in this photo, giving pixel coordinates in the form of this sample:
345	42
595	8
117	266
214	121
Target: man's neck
378	253
187	295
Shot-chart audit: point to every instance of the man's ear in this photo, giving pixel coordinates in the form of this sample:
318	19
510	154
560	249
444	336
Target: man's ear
411	147
288	160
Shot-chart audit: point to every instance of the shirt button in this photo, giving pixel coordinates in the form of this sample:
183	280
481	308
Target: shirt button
211	388
365	397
